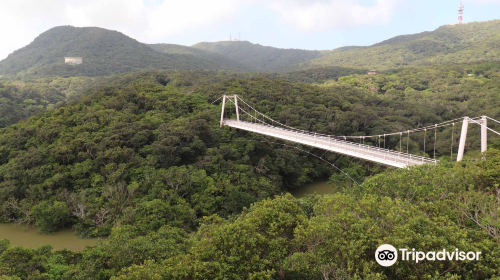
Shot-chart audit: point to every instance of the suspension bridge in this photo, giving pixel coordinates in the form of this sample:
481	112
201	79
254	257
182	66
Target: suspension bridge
251	120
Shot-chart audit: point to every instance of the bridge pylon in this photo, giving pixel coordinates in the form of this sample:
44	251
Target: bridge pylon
484	130
463	135
222	111
235	98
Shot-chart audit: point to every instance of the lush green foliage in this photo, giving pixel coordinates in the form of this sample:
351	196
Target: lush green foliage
316	75
317	237
334	236
19	100
146	154
144	161
147	150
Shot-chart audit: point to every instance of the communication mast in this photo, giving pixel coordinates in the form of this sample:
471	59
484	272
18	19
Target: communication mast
460	13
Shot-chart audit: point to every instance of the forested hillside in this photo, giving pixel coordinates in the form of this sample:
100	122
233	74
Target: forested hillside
104	52
143	159
316	75
19	100
260	58
108	52
472	42
402	39
142	131
219	61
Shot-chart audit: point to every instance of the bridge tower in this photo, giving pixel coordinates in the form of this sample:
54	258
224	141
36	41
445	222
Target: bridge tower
463	136
235	98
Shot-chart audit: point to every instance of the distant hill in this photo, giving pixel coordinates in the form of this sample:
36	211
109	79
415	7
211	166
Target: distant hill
402	39
468	43
104	52
108	52
217	60
260	58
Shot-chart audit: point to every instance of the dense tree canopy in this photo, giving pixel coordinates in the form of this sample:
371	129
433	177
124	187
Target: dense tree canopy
317	237
143	161
21	99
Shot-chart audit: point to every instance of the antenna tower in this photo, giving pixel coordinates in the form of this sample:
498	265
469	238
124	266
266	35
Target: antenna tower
460	13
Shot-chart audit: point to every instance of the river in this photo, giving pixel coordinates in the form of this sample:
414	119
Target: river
319	187
22	235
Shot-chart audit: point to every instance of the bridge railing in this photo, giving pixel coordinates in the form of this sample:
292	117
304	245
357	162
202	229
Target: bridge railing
357	146
398	156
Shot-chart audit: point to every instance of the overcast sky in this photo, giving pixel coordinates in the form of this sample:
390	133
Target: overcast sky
305	24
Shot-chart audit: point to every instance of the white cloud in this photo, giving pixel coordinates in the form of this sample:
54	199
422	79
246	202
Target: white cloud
174	17
320	15
19	25
155	21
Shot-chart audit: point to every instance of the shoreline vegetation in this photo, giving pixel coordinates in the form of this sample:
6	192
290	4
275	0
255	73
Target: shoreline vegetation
66	238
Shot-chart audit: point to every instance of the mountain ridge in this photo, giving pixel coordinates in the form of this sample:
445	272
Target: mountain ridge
104	52
449	44
221	61
261	58
107	52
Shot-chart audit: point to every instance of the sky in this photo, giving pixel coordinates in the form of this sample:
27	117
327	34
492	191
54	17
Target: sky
300	24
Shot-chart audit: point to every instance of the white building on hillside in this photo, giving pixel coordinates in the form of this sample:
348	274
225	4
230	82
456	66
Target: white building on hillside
73	60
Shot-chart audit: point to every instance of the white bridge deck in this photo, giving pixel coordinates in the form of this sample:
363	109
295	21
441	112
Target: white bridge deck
366	152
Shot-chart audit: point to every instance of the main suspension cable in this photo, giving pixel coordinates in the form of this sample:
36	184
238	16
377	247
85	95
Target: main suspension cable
217	99
446	123
494	131
493	119
362	138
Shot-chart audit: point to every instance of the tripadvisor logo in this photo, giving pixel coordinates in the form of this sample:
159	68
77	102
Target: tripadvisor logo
387	255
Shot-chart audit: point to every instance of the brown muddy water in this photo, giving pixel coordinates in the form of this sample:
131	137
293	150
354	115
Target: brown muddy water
318	187
27	236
